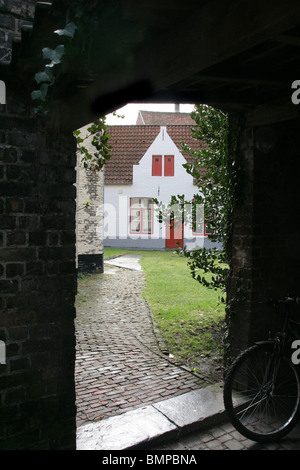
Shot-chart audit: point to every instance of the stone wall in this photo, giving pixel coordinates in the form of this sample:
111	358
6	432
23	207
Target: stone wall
13	15
37	281
89	215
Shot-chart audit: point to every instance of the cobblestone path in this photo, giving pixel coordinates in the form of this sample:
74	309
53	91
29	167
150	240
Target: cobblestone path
225	437
119	362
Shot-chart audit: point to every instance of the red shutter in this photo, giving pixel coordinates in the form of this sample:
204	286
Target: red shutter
169	165
156	165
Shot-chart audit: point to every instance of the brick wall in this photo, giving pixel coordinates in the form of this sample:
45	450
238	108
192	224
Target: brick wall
37	281
13	15
239	283
266	250
37	266
89	215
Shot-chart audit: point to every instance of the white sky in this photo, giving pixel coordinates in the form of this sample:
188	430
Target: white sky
130	111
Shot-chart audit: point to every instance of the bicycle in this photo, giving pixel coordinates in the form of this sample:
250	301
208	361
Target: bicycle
262	386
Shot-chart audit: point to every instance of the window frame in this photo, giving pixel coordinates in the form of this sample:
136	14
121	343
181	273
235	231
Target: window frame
141	216
204	232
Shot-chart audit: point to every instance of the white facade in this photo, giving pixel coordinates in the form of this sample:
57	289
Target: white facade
121	224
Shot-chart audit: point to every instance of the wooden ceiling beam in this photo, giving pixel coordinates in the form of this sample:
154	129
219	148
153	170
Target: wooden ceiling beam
216	32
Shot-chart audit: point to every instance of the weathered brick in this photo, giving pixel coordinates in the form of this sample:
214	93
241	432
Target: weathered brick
9	286
19	364
14	205
14	269
68	267
16	301
28	156
35	267
7	222
56	253
18	254
30	222
17	188
9	155
16	238
37	238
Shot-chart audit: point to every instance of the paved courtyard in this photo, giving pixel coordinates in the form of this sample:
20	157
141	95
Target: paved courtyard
121	364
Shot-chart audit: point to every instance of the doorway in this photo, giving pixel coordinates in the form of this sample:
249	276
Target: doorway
174	234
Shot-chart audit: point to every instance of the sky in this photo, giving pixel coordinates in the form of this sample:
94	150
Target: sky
130	111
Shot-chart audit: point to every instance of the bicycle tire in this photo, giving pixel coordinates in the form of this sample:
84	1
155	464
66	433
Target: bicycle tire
253	410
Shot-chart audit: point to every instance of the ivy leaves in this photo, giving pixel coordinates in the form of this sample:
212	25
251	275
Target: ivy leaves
68	31
98	137
46	77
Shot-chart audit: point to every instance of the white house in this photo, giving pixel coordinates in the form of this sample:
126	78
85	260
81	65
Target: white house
146	163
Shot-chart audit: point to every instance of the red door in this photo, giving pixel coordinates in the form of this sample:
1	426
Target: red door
174	234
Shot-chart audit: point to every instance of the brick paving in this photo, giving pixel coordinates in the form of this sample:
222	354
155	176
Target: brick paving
225	437
120	365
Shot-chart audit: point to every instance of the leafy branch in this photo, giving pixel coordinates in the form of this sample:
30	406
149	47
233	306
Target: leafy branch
214	176
98	137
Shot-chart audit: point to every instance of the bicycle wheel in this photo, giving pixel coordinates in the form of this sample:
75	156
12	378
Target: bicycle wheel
261	394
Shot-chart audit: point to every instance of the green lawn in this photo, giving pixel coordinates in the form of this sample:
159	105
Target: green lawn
188	315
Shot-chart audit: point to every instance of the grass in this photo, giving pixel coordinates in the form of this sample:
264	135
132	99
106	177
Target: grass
189	316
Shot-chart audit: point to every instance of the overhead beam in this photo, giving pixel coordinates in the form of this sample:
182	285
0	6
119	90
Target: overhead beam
218	31
237	80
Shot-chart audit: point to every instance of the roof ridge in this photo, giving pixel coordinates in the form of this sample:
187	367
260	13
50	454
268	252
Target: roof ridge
168	112
149	125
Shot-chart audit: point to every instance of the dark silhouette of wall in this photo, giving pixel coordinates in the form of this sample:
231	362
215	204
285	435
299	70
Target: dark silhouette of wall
37	268
265	247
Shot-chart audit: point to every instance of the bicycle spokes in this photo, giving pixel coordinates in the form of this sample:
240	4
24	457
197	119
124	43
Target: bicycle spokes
264	391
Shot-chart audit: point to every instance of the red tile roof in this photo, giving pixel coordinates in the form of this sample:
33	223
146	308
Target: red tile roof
164	118
130	143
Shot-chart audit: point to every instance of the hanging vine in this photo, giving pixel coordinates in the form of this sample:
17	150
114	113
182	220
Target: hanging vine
99	138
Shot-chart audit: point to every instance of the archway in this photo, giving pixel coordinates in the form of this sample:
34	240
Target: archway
241	66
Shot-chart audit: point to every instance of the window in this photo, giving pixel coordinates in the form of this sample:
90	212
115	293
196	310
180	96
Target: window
141	215
200	227
169	165
156	165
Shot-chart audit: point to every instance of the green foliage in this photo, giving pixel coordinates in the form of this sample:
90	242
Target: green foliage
209	167
214	176
97	134
46	77
208	261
